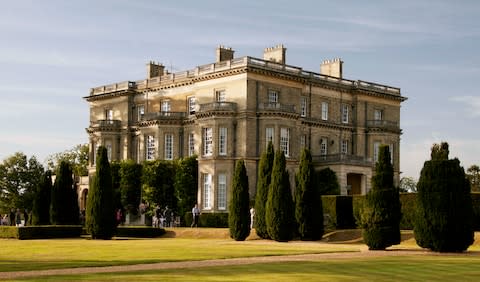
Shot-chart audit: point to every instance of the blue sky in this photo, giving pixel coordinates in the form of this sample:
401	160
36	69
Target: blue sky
53	52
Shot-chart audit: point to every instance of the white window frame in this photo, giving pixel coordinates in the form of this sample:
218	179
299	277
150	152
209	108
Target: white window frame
391	147
272	96
207	141
303	141
140	112
168	146
344	147
165	107
222	141
191	105
324	146
207	191
220	95
345	113
378	114
285	141
324	110
150	148
303	106
376	148
222	192
191	144
108	114
269	136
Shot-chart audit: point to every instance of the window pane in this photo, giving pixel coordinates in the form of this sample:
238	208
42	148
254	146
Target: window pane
222	141
323	146
150	152
324	111
285	141
220	96
207	141
222	191
168	146
207	184
344	113
269	135
191	105
303	106
191	144
272	96
140	112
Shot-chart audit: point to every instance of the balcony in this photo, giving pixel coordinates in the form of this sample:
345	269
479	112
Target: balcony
383	124
276	107
342	159
126	85
106	125
218	106
163	116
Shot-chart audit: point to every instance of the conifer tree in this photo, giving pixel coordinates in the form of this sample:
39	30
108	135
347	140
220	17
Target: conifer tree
239	213
279	213
41	202
444	220
308	201
64	205
382	213
263	182
100	213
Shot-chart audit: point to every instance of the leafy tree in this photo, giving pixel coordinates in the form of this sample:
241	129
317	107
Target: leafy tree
186	183
239	212
279	213
130	185
41	203
444	220
382	214
158	184
263	183
117	194
473	176
408	185
77	157
19	178
100	213
327	182
308	201
64	203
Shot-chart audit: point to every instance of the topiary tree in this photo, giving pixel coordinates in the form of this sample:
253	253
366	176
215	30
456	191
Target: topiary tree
444	221
239	213
41	202
308	201
382	211
64	203
263	182
279	212
186	183
100	213
327	182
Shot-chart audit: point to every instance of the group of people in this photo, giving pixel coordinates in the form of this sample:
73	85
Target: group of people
163	218
16	218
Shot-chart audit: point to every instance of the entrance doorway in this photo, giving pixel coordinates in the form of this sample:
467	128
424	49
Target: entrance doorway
354	183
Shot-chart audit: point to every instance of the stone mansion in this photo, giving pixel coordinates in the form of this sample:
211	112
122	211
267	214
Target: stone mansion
232	108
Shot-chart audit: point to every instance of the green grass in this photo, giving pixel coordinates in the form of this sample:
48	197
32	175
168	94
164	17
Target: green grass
17	255
405	268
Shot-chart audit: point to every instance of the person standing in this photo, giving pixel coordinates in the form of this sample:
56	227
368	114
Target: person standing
11	217
25	217
252	216
196	215
18	217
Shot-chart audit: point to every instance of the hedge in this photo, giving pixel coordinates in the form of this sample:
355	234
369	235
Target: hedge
41	231
219	220
338	212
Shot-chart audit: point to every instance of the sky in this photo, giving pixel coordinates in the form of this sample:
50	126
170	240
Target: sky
52	52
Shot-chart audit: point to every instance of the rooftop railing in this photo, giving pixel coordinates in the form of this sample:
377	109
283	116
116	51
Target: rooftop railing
277	107
106	124
243	62
218	106
163	115
342	159
387	124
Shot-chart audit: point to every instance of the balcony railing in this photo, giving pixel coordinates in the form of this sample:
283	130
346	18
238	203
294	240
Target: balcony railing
342	159
218	106
126	85
385	124
276	107
163	116
106	124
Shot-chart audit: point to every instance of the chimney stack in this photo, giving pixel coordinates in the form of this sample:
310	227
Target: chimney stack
332	67
275	54
154	69
224	53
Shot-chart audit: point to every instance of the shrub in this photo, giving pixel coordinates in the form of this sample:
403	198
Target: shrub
381	213
41	232
239	213
279	213
308	203
216	220
139	231
327	181
100	213
263	183
130	184
186	184
444	221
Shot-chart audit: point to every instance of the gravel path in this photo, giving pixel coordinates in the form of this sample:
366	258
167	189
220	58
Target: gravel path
223	262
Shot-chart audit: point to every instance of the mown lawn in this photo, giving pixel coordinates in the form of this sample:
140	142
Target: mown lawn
20	255
404	268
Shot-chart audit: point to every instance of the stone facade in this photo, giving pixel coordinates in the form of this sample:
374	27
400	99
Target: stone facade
230	109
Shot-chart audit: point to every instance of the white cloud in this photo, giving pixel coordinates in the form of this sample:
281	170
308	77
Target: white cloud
472	104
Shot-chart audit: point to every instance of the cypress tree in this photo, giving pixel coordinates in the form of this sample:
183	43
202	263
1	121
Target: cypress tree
444	220
41	203
239	213
382	213
62	207
279	213
327	182
100	213
263	182
308	201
